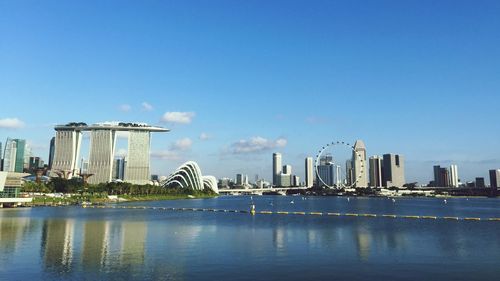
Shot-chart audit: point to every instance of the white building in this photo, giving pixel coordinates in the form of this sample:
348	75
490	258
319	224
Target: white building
102	150
454	176
309	172
276	168
359	164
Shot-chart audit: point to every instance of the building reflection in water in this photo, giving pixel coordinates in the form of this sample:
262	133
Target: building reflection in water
95	244
12	232
57	244
101	244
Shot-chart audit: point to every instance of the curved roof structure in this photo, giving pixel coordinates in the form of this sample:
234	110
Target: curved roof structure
188	175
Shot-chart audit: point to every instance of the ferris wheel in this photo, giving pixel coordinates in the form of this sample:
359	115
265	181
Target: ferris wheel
338	183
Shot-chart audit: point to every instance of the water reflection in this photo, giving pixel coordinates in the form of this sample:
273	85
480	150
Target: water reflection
57	244
94	244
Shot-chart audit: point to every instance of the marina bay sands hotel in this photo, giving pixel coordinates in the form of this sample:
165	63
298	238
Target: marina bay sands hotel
68	141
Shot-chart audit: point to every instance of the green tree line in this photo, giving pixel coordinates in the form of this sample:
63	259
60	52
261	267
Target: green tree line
75	185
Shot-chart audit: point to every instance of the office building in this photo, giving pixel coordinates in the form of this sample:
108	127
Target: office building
393	170
309	172
495	178
375	173
52	150
287	169
349	173
285	180
359	164
240	179
119	168
276	168
480	183
441	177
326	172
34	164
453	176
9	156
15	155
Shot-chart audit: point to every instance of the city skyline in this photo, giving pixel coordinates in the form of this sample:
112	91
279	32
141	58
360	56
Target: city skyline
230	103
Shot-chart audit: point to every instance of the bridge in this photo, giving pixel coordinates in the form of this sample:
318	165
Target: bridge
260	191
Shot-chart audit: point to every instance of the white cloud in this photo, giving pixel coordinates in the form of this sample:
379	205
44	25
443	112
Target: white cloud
125	107
176	151
178	117
182	144
204	136
147	106
11	123
165	155
256	145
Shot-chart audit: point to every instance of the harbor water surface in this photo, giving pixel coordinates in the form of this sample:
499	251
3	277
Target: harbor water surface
74	243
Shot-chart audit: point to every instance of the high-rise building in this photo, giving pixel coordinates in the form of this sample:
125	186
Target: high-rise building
287	169
52	150
102	150
285	180
441	177
393	170
349	173
453	176
309	172
35	163
15	155
9	156
119	168
102	147
240	179
67	144
276	168
480	183
375	173
326	172
495	178
359	164
20	155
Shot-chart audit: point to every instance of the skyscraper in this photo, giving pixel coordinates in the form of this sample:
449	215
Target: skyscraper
67	143
287	169
359	161
495	178
15	156
9	160
102	149
349	172
441	177
393	170
276	168
20	155
326	172
309	172
375	173
52	150
480	182
453	176
119	168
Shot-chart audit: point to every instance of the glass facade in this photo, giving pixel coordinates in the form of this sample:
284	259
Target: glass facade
10	192
21	149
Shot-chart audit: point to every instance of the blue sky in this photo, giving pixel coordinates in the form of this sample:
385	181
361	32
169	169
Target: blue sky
419	78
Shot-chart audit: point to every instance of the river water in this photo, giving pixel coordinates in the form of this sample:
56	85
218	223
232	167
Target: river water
73	243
